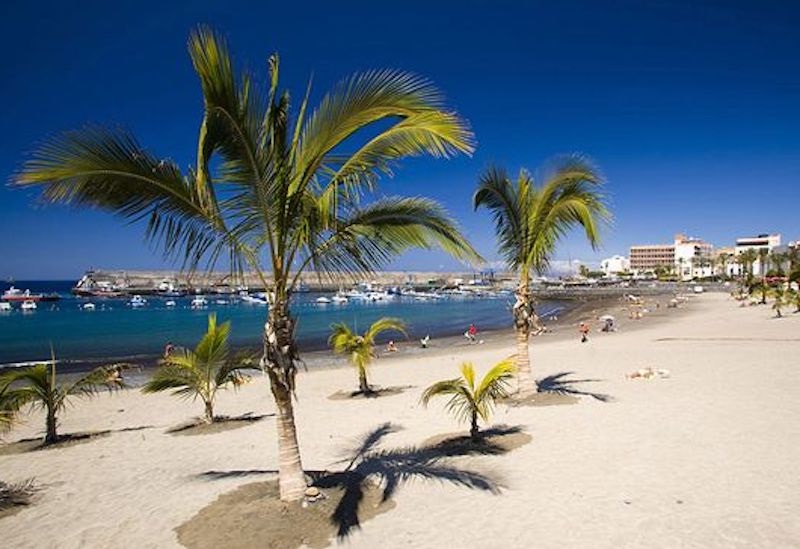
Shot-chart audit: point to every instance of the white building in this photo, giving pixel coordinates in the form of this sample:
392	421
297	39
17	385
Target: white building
760	242
615	265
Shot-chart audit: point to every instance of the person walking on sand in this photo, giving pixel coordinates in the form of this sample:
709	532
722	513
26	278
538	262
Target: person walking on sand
584	331
471	333
168	348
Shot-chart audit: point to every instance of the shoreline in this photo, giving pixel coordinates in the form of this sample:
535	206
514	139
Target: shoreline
563	328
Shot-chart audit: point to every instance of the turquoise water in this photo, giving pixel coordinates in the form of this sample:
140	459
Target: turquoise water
114	330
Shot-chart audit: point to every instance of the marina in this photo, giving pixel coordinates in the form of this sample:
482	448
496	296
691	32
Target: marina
138	327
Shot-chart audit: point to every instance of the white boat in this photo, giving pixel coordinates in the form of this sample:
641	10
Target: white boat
323	300
222	302
339	298
137	301
199	302
170	303
28	306
698	289
88	307
5	307
253	300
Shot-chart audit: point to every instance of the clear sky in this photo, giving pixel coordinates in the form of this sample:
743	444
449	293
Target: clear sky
691	109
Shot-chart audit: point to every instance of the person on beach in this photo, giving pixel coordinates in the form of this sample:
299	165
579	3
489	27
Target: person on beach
391	347
425	340
168	348
471	333
584	331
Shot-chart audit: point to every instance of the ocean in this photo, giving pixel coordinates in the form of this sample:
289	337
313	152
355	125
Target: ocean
115	331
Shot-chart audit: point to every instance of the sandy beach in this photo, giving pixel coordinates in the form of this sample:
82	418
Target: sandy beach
705	458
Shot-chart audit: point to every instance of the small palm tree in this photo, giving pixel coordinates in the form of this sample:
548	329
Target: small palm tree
38	387
469	401
529	222
360	347
781	299
202	372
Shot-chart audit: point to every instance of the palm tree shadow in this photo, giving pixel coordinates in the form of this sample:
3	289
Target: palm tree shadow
368	465
557	383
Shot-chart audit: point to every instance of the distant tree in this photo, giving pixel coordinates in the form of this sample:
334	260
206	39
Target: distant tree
529	222
583	270
470	400
38	387
746	260
201	372
780	299
360	348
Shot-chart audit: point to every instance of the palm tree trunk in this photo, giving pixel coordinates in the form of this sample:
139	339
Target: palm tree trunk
51	436
362	381
280	356
473	430
524	320
209	412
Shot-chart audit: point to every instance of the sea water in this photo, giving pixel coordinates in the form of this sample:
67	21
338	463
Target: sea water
116	331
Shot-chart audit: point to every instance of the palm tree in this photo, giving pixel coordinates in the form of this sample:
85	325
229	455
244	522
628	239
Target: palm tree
746	260
38	387
722	264
763	261
781	299
469	401
273	191
529	221
360	347
202	372
777	259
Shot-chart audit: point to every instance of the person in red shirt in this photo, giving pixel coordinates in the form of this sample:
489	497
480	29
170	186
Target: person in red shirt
471	333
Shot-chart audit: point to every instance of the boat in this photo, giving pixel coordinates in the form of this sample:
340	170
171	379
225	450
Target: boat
88	307
170	303
323	300
137	301
253	300
16	295
199	302
339	298
28	306
222	302
4	306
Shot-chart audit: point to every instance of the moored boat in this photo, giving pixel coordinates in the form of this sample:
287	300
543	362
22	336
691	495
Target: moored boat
16	295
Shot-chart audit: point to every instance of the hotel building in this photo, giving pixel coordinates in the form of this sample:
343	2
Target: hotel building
682	257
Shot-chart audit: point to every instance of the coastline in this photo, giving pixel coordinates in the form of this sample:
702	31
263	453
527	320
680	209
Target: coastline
563	326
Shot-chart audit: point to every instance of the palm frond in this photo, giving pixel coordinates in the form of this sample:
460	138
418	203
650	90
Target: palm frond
385	324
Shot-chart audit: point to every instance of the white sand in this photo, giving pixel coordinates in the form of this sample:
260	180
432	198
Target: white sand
707	458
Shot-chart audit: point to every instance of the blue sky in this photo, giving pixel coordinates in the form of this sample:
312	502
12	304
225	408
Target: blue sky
691	109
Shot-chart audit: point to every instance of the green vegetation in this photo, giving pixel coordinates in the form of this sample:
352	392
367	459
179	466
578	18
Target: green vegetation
529	222
469	401
202	372
360	348
38	387
274	189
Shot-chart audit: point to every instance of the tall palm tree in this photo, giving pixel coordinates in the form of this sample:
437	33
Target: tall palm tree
763	261
38	387
722	264
470	400
529	221
361	347
275	192
777	259
203	371
746	260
